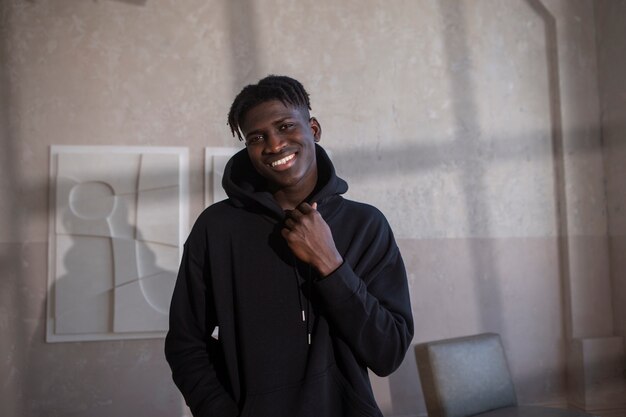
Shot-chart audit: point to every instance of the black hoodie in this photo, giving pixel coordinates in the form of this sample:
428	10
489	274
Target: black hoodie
290	343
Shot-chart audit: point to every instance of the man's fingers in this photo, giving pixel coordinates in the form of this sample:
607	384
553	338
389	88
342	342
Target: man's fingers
297	215
305	208
294	214
302	209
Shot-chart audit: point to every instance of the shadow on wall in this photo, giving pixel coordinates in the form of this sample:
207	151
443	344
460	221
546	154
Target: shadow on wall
552	58
12	306
133	2
120	376
244	48
34	381
111	283
487	292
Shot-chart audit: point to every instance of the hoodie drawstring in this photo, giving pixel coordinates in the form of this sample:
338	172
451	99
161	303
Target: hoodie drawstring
306	312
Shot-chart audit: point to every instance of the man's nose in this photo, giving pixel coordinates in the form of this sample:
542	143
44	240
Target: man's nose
274	143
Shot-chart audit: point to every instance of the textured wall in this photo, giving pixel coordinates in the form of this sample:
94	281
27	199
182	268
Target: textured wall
472	125
612	66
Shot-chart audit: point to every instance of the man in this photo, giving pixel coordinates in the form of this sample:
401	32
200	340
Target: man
308	289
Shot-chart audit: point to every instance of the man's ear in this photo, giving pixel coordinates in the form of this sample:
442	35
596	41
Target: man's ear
316	128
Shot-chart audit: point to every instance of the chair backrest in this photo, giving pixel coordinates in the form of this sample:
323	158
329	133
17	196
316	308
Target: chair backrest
465	375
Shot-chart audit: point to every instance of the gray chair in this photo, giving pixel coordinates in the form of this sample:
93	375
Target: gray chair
469	376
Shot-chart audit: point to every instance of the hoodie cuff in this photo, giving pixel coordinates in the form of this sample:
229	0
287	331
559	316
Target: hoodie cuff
339	286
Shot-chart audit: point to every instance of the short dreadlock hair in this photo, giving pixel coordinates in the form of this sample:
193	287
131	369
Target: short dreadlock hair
273	87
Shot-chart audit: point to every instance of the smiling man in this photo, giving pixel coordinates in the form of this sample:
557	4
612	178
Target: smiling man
308	289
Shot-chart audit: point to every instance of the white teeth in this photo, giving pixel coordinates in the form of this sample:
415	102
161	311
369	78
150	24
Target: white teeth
282	161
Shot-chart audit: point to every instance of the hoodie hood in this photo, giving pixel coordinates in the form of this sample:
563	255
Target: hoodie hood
246	188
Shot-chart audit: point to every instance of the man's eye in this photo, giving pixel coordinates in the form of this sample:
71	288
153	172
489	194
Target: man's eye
254	139
286	126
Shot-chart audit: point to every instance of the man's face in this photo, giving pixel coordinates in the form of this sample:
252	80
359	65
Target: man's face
281	145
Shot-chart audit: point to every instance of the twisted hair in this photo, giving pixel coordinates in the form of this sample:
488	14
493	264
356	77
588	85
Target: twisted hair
273	87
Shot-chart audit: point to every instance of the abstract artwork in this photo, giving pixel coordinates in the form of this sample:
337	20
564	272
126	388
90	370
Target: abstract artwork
215	160
117	222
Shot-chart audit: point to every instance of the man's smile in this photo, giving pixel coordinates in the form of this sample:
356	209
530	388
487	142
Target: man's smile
283	163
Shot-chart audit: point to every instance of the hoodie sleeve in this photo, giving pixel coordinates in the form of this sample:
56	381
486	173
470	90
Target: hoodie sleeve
193	355
366	299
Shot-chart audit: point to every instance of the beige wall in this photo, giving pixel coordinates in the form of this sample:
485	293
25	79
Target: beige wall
612	65
473	125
